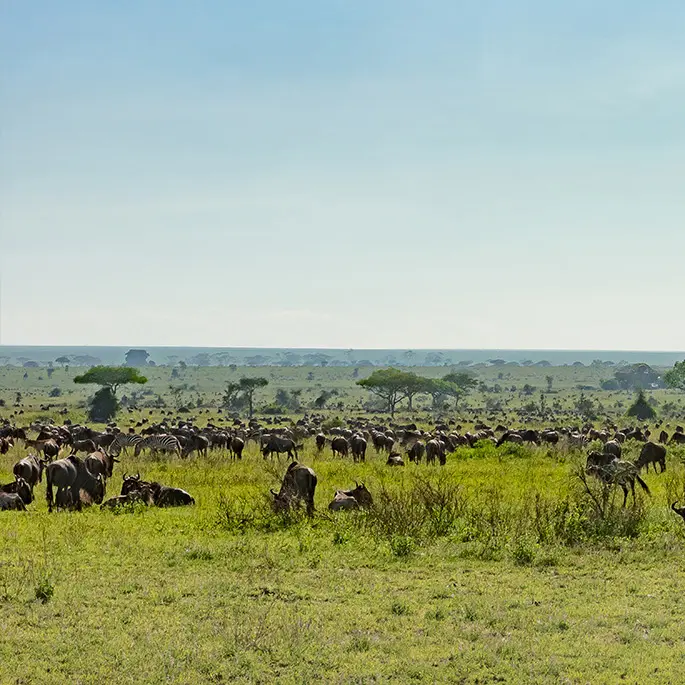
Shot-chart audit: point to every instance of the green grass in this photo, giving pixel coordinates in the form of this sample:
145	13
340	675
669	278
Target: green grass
488	570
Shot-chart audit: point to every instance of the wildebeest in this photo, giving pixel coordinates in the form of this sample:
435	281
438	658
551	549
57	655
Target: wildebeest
613	447
19	487
358	447
162	495
416	451
395	459
320	441
651	453
83	446
618	472
435	449
340	446
71	475
343	502
279	445
11	501
678	438
29	468
99	463
299	485
663	437
236	446
361	494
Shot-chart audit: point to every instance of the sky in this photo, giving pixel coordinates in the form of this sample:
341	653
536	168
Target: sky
343	173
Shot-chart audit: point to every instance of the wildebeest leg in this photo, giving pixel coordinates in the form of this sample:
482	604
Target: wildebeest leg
76	497
625	494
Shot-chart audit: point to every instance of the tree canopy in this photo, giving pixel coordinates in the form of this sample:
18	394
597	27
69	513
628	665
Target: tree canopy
641	409
675	377
111	376
241	393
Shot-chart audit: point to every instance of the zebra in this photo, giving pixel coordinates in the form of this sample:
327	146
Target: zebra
122	441
619	472
158	443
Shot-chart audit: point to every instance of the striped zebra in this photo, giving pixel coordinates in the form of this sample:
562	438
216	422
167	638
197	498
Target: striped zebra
158	443
122	441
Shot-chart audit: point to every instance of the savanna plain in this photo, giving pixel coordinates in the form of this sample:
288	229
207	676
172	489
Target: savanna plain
504	565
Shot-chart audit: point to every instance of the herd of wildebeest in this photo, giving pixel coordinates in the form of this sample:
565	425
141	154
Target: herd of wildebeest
80	478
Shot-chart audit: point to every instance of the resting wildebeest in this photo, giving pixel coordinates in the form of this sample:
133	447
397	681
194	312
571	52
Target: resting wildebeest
358	498
299	485
10	501
651	453
30	469
19	487
618	472
278	444
71	474
162	495
395	459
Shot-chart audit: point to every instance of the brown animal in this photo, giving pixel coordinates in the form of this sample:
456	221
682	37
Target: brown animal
651	453
30	469
299	485
340	446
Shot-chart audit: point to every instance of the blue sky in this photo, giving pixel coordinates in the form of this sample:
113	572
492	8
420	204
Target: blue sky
435	174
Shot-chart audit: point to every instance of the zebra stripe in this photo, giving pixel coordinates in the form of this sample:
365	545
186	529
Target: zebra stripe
122	441
158	443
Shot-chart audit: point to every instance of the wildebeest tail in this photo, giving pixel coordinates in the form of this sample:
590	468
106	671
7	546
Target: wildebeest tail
644	485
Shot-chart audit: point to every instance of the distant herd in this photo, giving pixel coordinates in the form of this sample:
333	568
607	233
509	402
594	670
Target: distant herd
78	481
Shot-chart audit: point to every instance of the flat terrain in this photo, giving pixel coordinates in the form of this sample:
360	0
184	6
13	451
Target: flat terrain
500	575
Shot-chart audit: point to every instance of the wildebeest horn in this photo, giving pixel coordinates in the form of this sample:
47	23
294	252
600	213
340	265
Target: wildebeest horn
273	493
114	459
124	476
138	476
356	484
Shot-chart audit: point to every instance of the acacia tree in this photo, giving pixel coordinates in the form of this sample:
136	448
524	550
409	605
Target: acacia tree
391	385
242	392
104	404
459	383
641	409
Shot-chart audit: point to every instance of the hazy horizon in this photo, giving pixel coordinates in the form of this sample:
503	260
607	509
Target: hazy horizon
501	175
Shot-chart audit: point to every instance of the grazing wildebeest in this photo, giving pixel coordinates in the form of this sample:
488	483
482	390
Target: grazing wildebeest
613	447
509	436
416	451
551	437
30	469
11	501
19	487
678	438
598	460
618	472
279	445
236	447
5	444
320	441
358	447
196	443
299	485
651	453
340	446
435	449
71	475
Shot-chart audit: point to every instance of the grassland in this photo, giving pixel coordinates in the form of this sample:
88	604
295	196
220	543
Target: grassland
495	568
507	580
